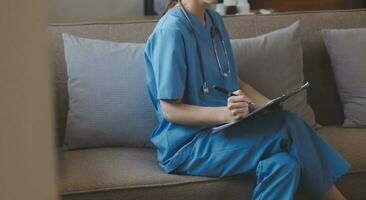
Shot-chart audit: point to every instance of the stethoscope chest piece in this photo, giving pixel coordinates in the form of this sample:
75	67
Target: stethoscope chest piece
205	89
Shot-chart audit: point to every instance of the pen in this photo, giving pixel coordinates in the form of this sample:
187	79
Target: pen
224	91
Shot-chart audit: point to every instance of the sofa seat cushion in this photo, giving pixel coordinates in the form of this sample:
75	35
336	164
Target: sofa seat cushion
132	173
350	143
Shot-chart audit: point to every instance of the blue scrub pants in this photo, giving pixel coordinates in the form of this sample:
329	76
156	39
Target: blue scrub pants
280	148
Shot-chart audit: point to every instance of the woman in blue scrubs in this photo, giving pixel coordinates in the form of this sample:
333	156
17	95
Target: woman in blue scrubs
279	148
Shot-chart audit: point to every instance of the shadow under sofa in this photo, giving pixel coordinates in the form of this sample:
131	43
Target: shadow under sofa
126	173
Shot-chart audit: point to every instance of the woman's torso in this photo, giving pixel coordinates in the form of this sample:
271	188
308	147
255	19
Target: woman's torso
169	137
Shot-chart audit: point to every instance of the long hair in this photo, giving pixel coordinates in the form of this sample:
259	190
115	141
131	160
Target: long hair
168	6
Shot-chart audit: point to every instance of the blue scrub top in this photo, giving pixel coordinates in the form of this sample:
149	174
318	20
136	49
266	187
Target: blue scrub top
173	73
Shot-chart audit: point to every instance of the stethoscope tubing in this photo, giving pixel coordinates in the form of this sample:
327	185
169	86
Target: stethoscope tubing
214	31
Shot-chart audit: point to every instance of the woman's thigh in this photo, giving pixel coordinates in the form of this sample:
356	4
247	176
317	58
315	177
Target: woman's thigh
238	149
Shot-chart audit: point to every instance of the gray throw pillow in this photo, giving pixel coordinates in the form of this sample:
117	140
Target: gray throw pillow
108	102
273	64
347	51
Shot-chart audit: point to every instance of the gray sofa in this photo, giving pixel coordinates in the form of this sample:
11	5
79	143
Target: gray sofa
131	173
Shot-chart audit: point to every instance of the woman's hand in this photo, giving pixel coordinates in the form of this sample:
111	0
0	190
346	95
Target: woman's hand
237	106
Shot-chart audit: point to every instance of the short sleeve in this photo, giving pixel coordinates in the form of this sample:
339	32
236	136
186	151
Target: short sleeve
168	60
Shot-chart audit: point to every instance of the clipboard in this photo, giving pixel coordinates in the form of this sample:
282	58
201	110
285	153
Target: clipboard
268	106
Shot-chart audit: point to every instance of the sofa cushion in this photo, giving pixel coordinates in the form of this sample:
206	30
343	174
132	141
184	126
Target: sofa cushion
114	168
350	143
273	64
322	96
107	94
347	50
133	173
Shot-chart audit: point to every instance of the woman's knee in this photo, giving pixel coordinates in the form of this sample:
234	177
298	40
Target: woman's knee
288	163
290	116
282	162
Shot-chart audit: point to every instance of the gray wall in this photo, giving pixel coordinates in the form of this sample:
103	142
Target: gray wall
93	10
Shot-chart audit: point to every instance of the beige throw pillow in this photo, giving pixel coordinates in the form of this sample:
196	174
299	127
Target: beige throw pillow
273	64
347	51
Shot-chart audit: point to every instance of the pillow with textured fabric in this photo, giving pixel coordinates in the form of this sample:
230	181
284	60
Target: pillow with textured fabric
273	64
347	51
108	102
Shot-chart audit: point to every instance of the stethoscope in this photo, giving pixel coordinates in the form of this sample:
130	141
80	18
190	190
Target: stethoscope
214	32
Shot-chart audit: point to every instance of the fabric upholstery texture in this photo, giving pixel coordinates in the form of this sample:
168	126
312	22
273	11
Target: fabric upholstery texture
122	172
104	173
107	97
273	64
347	50
107	94
322	96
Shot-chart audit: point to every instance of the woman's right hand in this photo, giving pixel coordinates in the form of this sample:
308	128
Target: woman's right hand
237	107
